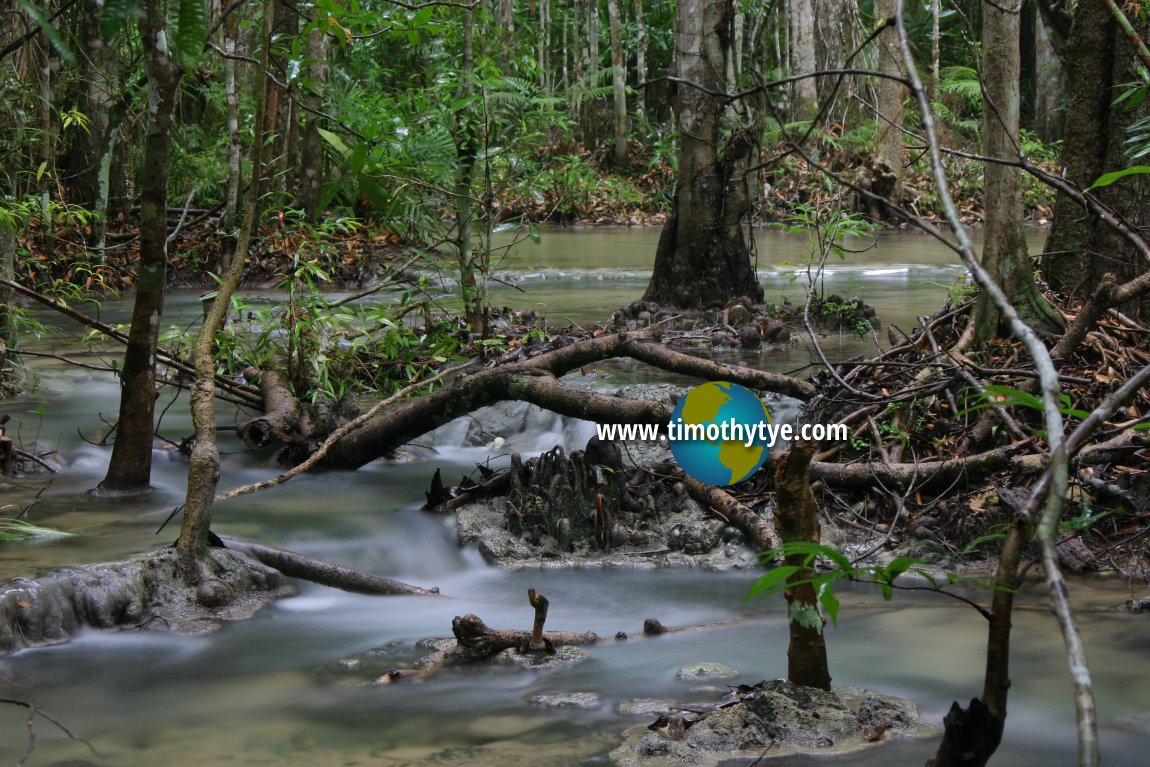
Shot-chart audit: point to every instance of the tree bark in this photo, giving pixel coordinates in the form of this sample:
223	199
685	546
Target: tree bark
1005	253
466	130
703	257
130	468
796	518
232	97
93	99
281	420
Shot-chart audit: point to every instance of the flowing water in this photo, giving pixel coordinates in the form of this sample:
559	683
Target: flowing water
262	691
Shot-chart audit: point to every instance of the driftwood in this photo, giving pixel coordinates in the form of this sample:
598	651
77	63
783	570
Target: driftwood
476	641
324	573
281	420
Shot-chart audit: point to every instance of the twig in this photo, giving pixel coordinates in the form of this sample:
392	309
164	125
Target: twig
33	712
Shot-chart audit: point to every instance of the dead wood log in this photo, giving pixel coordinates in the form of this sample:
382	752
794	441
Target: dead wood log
760	531
282	417
536	380
324	573
474	640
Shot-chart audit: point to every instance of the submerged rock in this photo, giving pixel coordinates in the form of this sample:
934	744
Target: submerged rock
774	719
584	700
699	672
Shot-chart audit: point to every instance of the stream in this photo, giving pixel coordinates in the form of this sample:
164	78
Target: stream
268	691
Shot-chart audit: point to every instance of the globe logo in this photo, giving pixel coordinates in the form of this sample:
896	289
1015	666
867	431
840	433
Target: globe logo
719	433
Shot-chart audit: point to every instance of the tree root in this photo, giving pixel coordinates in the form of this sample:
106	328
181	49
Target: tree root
324	573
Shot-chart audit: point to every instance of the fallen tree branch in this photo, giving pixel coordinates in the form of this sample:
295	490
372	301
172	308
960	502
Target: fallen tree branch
282	412
528	380
760	531
333	438
924	473
231	387
325	573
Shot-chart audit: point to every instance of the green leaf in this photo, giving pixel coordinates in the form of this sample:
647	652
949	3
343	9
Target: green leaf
829	602
772	582
981	540
335	141
900	565
815	550
49	31
1106	179
191	32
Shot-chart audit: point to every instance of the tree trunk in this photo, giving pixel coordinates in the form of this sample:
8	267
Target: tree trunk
619	81
93	98
1005	253
204	463
312	160
1080	248
130	468
1049	115
287	18
703	257
466	132
797	521
835	26
801	14
889	95
640	60
232	196
8	272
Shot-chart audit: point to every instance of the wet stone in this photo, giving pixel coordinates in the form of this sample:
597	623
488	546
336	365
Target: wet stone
707	670
562	658
645	707
584	700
